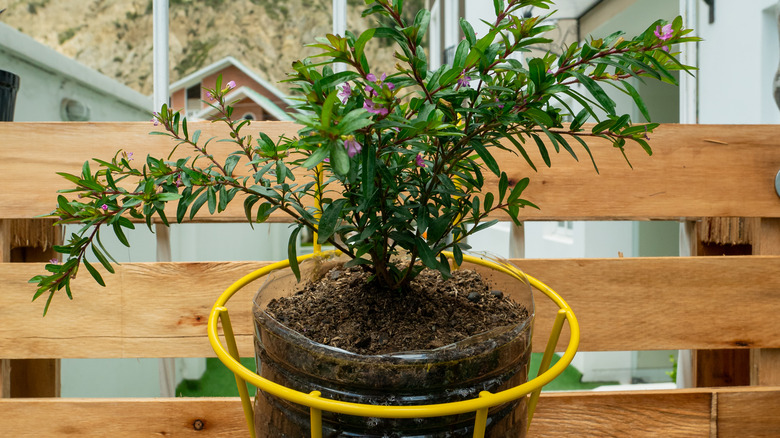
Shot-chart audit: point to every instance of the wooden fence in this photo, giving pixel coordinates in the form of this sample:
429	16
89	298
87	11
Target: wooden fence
723	307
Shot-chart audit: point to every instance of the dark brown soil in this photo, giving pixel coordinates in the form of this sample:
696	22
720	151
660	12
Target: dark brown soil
343	311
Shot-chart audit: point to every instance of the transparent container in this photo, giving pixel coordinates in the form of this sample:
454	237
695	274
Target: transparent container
490	361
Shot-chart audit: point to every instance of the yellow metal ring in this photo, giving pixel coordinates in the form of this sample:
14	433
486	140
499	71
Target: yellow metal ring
317	403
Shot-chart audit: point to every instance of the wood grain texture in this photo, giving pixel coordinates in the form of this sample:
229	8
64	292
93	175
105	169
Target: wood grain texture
748	414
182	417
624	414
160	310
695	171
678	413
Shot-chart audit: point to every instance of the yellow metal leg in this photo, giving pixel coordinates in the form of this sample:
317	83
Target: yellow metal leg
480	423
243	392
546	360
316	418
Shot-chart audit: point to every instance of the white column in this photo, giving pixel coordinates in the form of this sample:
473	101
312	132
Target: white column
689	114
161	81
339	26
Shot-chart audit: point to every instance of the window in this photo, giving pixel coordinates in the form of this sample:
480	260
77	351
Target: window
193	104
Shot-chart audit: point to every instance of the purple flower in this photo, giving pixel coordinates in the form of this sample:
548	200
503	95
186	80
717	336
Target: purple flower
664	33
104	207
418	160
210	96
54	262
155	118
345	92
500	105
371	77
352	146
231	85
372	107
463	80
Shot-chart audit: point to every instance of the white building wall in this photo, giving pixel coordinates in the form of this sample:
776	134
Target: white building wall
738	60
47	77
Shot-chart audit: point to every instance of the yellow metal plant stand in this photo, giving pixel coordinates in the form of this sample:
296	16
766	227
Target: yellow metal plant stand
317	404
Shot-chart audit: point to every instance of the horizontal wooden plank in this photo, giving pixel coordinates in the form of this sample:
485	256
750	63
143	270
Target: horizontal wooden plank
695	171
674	413
160	310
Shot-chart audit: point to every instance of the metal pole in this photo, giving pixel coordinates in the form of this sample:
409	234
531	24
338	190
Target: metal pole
339	26
160	29
167	366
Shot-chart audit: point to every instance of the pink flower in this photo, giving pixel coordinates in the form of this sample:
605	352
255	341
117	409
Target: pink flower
463	80
210	96
664	33
231	85
155	118
372	107
54	262
352	146
418	160
345	92
104	207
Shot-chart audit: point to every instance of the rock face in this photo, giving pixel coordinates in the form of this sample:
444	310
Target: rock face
115	36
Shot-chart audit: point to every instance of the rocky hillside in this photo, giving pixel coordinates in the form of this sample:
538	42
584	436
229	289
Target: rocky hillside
115	36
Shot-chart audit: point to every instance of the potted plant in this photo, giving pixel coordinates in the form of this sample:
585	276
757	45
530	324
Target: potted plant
389	169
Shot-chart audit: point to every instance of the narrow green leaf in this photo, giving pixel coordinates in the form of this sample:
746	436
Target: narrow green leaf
95	274
102	259
542	149
292	252
596	91
329	220
339	160
486	157
637	100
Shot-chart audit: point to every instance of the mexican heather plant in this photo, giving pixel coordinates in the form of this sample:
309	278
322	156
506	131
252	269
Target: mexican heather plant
397	159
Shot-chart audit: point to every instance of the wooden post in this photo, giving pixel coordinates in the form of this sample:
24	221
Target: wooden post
727	367
765	362
28	241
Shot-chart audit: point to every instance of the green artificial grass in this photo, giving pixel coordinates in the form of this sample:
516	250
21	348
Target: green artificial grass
218	381
569	380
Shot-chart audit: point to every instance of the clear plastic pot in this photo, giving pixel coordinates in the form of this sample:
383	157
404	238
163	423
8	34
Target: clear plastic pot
490	361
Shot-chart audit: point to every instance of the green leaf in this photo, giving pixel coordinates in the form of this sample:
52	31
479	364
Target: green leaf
211	193
360	44
542	150
461	53
329	220
95	274
120	234
339	159
596	91
102	259
292	252
457	254
522	151
536	70
315	158
327	108
503	184
518	189
637	100
426	254
587	149
486	157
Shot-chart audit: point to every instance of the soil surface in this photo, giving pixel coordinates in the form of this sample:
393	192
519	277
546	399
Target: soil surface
343	311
